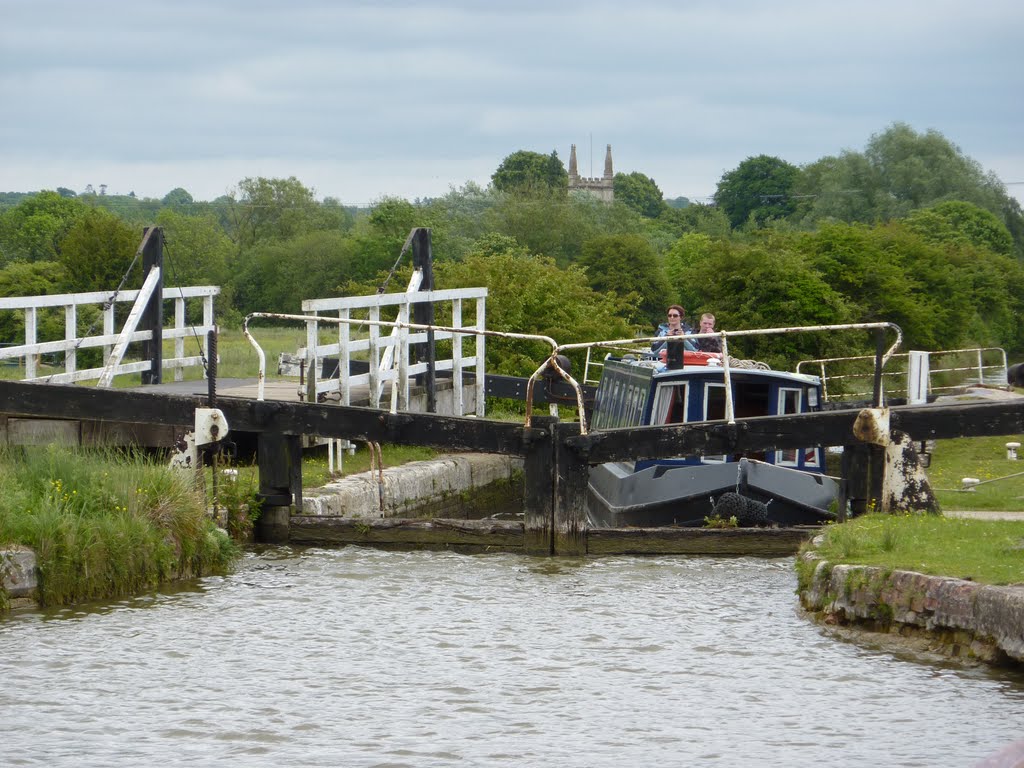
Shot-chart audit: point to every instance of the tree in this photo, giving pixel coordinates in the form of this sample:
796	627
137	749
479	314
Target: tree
856	261
273	209
530	294
545	221
686	251
278	276
843	188
458	218
177	197
392	218
919	169
765	285
943	295
525	170
901	171
627	265
640	193
760	188
965	223
197	252
33	229
97	251
38	278
705	219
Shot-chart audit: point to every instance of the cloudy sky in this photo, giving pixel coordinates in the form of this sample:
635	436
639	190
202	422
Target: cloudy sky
362	99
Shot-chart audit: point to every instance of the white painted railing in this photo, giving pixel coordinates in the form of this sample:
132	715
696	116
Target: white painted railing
31	349
387	356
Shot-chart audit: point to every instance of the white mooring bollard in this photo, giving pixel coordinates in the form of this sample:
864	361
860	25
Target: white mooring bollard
969	483
1011	451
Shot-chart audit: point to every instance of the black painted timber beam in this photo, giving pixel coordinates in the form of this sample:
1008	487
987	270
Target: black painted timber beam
923	422
368	424
544	390
68	401
57	401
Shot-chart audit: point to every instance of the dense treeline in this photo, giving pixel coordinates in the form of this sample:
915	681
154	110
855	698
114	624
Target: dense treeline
909	231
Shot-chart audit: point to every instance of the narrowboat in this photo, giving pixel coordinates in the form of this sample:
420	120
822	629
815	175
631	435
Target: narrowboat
770	488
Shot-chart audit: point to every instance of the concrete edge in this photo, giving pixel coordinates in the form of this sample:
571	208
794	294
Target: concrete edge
398	490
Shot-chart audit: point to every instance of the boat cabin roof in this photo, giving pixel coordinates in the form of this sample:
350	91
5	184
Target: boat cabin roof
713	371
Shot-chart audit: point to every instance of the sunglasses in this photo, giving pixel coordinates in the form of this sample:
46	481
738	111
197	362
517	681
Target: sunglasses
673	314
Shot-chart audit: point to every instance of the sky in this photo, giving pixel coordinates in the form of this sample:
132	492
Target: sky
366	100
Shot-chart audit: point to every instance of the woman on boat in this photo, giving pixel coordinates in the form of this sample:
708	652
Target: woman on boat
676	326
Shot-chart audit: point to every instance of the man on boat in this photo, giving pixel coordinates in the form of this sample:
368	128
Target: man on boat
712	343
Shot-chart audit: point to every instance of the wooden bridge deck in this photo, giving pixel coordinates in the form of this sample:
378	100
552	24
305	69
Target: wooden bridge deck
283	390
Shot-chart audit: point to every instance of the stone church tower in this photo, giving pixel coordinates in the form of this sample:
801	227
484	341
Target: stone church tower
602	187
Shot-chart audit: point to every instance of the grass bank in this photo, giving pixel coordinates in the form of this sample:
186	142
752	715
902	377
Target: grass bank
105	524
983	458
985	551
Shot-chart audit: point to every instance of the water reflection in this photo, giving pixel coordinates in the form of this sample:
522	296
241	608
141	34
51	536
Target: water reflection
363	657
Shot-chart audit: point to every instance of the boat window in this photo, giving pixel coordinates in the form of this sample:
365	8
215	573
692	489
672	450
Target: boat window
789	402
751	398
641	403
634	404
714	401
669	404
811	457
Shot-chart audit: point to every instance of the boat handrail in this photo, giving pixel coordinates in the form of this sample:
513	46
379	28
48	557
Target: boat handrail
881	357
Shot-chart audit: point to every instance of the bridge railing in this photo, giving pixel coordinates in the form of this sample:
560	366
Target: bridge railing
948	370
388	359
63	313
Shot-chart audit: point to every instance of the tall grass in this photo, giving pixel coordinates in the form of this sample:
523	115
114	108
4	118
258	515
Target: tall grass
105	524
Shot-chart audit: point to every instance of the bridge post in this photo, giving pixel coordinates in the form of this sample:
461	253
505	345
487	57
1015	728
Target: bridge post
570	498
539	478
423	314
855	465
279	458
153	316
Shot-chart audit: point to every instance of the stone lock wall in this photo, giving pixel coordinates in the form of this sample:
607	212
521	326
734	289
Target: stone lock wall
964	619
446	486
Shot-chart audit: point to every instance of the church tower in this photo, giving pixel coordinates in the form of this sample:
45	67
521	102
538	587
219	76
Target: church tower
602	187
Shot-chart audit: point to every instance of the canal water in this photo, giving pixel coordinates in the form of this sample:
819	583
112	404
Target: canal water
362	657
